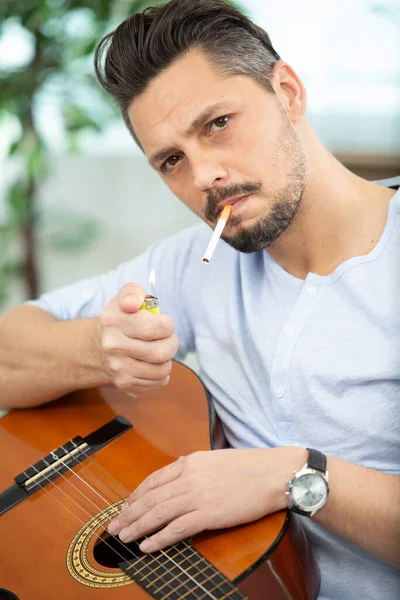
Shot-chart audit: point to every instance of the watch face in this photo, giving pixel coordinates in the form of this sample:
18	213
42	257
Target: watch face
309	490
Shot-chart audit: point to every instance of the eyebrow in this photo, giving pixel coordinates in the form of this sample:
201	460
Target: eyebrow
198	122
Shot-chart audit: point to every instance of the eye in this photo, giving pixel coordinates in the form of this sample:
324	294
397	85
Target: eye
220	123
170	163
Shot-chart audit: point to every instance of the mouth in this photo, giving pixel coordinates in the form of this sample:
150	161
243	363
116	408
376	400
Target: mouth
234	202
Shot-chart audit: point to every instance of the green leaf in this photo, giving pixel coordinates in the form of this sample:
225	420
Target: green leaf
14	147
89	46
60	63
18	201
11	269
76	118
36	162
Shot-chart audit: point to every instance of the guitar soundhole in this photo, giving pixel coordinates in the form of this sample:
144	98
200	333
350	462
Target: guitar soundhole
109	551
7	595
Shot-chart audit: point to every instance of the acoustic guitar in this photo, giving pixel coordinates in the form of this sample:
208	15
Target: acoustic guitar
66	469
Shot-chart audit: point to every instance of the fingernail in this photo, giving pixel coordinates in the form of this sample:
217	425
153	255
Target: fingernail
145	546
125	534
131	299
113	527
125	506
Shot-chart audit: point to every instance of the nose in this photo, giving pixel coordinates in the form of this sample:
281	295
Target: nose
207	171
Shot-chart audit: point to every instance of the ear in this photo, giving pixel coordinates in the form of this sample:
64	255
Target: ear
290	90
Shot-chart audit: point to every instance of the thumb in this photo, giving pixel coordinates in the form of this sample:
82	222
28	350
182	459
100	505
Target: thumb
131	298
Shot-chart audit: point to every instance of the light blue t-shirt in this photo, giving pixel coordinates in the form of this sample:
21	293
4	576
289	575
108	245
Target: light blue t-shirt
287	361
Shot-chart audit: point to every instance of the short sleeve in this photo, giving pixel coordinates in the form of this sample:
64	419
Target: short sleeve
169	258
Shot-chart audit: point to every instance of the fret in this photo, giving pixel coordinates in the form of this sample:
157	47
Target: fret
233	594
145	583
205	595
145	566
187	552
186	563
179	552
173	577
162	565
208	589
207	577
215	574
214	581
181	572
229	595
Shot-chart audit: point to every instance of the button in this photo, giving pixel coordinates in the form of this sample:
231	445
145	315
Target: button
289	331
311	290
279	391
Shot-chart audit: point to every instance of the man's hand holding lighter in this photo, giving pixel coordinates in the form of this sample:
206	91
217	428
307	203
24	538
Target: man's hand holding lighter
137	346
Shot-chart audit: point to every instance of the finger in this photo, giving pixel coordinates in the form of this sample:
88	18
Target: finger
179	529
154	500
157	517
138	371
147	326
136	387
155	489
142	325
157	479
131	297
115	341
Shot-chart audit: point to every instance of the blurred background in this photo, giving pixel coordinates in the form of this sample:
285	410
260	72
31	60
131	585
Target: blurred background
77	196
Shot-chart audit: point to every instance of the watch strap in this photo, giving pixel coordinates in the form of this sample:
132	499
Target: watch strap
316	460
298	510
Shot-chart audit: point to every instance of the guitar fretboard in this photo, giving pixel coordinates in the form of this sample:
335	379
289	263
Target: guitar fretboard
180	573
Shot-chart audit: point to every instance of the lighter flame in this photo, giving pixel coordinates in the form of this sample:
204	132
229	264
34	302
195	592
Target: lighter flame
152	277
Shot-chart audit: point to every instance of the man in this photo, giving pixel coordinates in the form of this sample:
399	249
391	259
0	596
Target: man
295	322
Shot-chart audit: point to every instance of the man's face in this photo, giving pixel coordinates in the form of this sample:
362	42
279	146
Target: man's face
216	139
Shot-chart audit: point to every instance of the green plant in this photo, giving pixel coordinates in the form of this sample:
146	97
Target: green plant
61	58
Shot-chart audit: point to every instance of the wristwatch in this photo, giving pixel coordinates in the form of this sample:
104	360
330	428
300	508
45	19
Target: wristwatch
309	488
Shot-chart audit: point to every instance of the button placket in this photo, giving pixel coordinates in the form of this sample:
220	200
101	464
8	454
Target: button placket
287	340
311	290
279	391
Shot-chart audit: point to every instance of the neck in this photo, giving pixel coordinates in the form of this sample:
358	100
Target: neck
341	216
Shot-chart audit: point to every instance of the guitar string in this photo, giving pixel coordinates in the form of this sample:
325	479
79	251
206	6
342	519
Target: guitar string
208	593
183	542
184	571
88	457
178	565
96	464
78	518
84	465
95	534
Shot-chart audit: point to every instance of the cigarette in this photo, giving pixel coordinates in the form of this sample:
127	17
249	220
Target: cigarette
212	244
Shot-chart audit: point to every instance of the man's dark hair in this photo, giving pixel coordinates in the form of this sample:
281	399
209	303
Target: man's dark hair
145	44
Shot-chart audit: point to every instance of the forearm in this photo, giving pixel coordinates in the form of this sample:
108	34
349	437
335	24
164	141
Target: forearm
364	508
42	358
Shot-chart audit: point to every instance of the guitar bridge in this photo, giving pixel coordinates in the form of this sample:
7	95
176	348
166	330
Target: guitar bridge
52	465
59	461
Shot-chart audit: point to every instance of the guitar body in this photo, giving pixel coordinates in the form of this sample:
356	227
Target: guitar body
50	538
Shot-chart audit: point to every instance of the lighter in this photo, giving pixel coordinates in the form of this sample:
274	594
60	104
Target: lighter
150	304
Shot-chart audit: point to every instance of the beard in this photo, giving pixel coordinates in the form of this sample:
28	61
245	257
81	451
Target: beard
281	210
